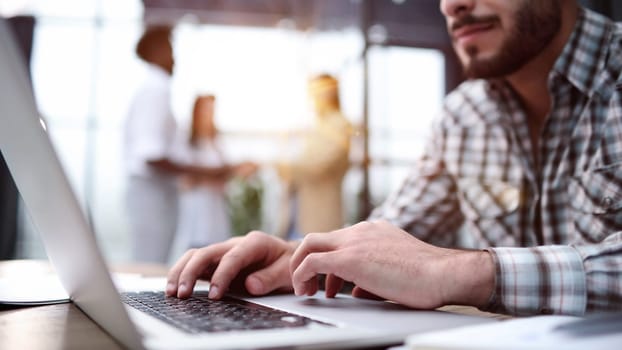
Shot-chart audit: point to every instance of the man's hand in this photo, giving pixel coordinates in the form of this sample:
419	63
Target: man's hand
258	260
382	260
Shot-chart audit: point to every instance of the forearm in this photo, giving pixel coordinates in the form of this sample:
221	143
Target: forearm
214	173
219	173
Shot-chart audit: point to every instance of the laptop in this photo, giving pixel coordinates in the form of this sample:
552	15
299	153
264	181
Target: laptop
130	317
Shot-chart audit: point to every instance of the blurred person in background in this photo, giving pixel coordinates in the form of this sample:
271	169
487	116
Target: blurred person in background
203	210
150	129
312	181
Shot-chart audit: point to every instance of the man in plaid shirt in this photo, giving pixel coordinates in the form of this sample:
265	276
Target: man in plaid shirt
526	158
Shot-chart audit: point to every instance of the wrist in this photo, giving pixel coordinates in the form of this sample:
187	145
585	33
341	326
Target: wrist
470	278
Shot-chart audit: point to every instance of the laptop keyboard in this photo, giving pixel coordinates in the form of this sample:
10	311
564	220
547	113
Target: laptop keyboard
199	314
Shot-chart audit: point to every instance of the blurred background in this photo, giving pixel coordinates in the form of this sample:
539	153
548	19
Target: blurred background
392	57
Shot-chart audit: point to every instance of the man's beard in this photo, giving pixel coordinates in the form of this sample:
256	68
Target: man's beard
534	30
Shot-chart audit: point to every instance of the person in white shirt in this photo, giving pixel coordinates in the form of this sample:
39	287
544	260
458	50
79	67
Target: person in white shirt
150	129
203	209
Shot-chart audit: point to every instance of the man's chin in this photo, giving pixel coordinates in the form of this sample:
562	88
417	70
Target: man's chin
489	68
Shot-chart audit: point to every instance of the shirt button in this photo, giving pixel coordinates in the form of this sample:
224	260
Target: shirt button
607	202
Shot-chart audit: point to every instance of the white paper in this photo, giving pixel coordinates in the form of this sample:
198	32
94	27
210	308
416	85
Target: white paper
540	332
29	290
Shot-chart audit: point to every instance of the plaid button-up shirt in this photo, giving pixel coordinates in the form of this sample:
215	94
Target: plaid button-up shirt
555	220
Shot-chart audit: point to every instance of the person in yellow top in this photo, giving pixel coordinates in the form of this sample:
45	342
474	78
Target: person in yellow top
315	176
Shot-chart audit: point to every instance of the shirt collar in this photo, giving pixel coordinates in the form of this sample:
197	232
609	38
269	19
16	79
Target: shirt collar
586	61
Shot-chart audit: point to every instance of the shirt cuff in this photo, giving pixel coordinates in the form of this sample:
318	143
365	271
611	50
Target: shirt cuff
538	280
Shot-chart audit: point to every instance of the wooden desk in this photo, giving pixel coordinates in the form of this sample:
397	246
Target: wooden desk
64	326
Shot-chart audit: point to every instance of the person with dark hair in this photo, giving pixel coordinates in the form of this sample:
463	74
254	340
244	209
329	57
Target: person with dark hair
526	158
154	46
150	131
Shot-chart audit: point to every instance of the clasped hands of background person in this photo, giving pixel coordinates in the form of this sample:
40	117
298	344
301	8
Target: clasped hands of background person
381	260
245	169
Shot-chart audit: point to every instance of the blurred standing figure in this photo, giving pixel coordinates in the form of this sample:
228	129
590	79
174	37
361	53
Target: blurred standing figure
150	130
315	177
203	213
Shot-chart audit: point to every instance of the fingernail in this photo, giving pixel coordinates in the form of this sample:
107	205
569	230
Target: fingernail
170	289
182	290
213	292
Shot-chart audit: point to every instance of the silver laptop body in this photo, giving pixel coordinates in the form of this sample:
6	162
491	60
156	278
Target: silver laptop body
72	249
